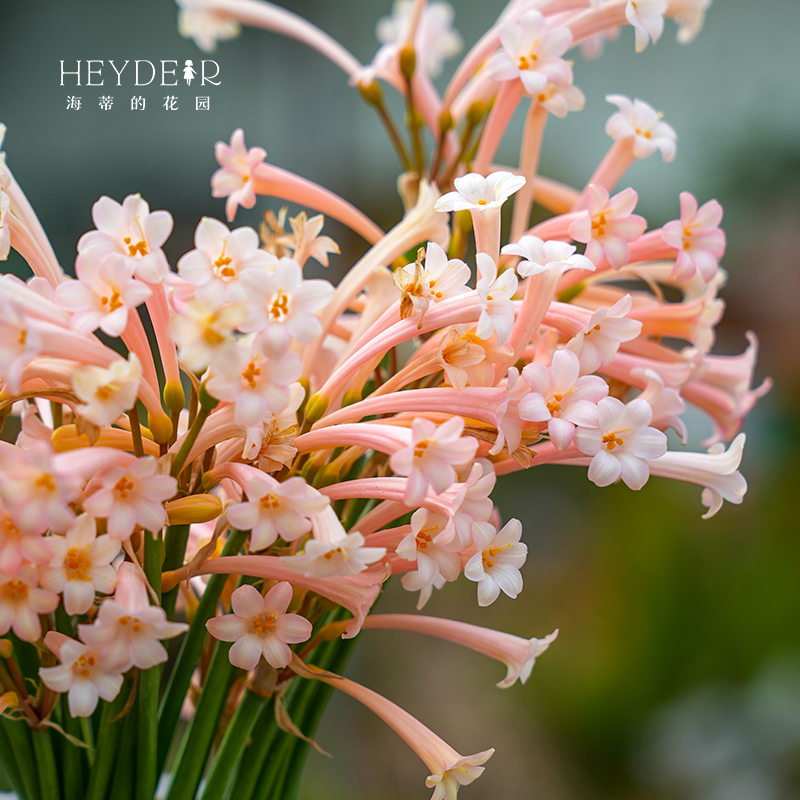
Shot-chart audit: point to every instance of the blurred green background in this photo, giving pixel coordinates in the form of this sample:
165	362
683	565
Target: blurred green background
677	670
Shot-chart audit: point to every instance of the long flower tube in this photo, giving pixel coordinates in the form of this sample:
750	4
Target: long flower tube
508	98
64	344
369	435
518	654
529	163
608	173
23	212
32	303
273	181
421	223
383	489
280	20
449	768
472	403
135	338
24	242
462	309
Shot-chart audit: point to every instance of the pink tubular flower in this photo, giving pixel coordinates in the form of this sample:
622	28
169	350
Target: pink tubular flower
21	602
127	629
608	225
643	123
257	381
234	179
622	444
35	490
471	501
104	294
85	673
716	471
276	509
449	769
281	303
647	18
132	230
518	654
433	558
482	197
431	456
441	278
560	398
260	626
132	496
496	565
496	294
598	343
219	257
331	551
107	393
17	546
532	53
697	238
81	565
19	345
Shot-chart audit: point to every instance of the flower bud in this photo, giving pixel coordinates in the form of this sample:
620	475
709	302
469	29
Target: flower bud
195	508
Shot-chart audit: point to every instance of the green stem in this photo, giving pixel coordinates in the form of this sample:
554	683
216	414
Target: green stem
9	763
233	743
255	756
274	768
147	733
149	680
306	710
72	756
46	765
188	442
175	540
185	664
19	734
124	760
199	736
106	755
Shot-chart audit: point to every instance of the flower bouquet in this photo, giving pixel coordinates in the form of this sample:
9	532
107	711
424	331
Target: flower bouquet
232	459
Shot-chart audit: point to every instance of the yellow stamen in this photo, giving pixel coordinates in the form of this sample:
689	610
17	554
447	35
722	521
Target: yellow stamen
270	501
123	486
611	440
264	623
280	306
15	591
249	374
45	481
77	564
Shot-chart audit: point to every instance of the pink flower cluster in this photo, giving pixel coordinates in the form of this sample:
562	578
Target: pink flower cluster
354	432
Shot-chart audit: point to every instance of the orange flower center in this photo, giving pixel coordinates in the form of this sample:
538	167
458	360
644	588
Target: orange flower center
77	564
140	247
113	302
123	486
420	448
45	481
249	375
15	591
263	623
280	306
611	440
